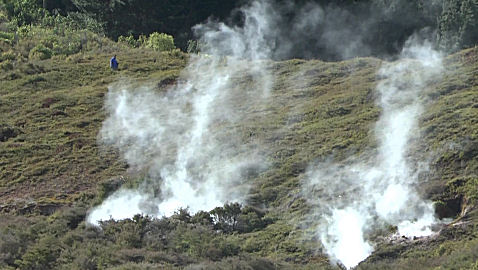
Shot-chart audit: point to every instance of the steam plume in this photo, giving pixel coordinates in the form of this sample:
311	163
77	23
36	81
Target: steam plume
187	137
365	195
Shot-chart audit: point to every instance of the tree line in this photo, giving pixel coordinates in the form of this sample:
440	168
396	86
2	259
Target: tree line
455	21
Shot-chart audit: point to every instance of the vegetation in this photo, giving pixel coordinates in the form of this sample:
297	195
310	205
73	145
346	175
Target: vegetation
456	20
54	74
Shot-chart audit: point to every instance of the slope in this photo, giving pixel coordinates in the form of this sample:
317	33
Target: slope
53	170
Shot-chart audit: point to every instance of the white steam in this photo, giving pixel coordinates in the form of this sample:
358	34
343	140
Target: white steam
186	137
365	195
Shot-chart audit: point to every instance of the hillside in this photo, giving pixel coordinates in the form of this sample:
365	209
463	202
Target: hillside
54	168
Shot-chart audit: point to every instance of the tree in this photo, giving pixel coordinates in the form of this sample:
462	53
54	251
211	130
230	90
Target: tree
23	12
226	218
458	24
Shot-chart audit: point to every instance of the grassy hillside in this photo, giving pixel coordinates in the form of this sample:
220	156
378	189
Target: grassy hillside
53	171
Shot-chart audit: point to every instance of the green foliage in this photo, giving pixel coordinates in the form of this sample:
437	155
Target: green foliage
6	65
466	186
203	218
130	41
23	12
40	52
182	215
457	24
157	41
6	37
7	56
160	42
106	188
79	21
226	218
58	40
41	256
13	243
252	219
232	217
193	46
120	17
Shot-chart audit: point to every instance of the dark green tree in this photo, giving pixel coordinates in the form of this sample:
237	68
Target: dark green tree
225	218
458	24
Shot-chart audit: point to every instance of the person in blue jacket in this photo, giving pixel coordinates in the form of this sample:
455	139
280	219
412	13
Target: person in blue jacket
114	63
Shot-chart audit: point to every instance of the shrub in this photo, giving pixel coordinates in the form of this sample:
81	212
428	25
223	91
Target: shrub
233	217
142	39
251	219
76	20
182	214
226	218
6	37
129	40
160	42
203	218
42	255
12	242
6	65
24	12
40	52
7	56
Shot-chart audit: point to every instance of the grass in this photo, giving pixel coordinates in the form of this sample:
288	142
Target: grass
51	111
55	107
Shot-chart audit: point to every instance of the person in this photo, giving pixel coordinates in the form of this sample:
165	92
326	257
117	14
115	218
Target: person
114	63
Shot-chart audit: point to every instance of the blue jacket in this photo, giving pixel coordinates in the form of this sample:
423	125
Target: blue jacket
113	63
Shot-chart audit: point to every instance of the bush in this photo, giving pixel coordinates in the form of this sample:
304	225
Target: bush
79	21
24	12
7	56
226	218
160	42
42	255
203	218
6	37
40	52
129	40
6	65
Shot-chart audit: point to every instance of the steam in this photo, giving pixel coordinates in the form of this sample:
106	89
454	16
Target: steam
357	199
187	138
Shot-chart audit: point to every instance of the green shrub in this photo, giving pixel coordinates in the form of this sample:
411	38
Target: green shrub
6	65
81	21
6	37
24	12
160	42
129	40
203	218
142	40
7	56
42	255
226	218
107	188
24	31
40	52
